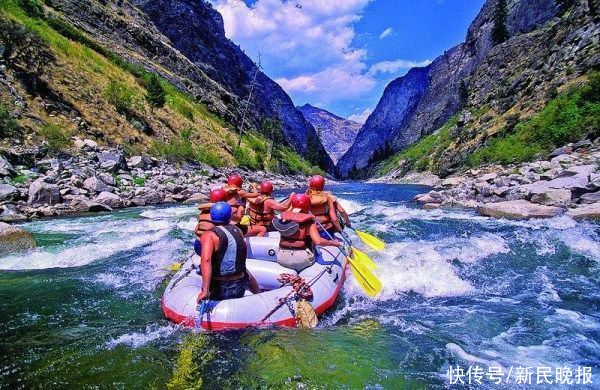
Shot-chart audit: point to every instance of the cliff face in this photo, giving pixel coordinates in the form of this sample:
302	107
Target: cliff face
336	134
441	98
184	41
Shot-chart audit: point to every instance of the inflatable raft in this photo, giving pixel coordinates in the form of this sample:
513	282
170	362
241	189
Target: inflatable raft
325	278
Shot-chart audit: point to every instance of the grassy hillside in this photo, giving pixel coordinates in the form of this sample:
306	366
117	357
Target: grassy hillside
70	85
570	116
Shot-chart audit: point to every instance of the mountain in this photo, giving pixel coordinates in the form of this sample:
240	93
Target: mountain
546	48
336	134
208	79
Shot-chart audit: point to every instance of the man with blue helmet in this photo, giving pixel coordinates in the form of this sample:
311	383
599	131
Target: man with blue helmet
223	259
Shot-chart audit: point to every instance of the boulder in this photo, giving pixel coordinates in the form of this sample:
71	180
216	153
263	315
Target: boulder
591	211
90	145
136	162
425	198
82	204
431	206
196	198
561	151
112	160
552	197
518	209
488	176
6	168
109	199
96	185
8	213
590	198
107	179
41	192
453	181
8	192
14	239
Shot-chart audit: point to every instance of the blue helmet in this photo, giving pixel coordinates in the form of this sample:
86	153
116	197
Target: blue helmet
220	212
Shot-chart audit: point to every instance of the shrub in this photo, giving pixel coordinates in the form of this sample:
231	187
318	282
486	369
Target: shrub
57	139
32	8
139	181
244	158
120	96
156	94
8	125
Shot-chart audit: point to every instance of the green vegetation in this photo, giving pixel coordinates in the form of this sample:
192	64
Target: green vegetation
156	94
8	125
19	179
183	149
121	96
291	162
32	8
56	137
569	117
499	30
420	155
139	181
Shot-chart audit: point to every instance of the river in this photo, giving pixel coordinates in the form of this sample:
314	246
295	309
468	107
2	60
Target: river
459	290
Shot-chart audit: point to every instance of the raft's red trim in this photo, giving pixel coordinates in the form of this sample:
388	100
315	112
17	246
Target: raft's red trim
190	322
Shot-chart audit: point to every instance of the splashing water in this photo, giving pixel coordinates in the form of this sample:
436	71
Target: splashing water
459	289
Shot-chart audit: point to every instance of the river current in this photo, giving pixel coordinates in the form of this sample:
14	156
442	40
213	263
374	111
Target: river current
459	291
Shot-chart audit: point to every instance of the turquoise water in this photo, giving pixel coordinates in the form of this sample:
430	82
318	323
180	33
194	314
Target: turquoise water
459	290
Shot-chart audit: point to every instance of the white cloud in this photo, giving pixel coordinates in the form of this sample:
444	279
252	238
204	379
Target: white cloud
394	66
386	33
361	117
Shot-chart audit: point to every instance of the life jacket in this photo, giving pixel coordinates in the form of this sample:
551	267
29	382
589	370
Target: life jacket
300	239
319	207
204	221
233	199
230	257
256	211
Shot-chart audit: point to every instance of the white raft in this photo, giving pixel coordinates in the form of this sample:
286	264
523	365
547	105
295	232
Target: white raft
325	277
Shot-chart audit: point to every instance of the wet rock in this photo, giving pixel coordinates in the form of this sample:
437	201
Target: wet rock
41	193
109	199
14	240
518	209
552	197
425	198
8	192
431	206
84	205
96	185
197	198
591	211
9	213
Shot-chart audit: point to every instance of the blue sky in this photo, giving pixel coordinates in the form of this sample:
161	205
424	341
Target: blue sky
340	54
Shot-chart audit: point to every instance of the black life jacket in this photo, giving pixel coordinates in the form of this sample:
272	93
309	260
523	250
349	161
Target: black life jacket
230	258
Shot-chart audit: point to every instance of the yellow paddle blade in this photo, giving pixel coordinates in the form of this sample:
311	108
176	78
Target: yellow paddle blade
371	241
365	278
174	267
362	258
245	221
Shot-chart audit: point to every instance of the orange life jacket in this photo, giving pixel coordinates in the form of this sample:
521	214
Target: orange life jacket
234	200
204	221
256	211
300	239
319	207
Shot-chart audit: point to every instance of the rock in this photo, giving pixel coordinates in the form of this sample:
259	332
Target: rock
40	193
589	198
501	191
8	192
14	239
6	168
425	198
109	199
488	176
152	197
561	151
107	179
96	185
90	145
196	198
431	206
78	142
591	211
463	204
562	159
10	214
582	144
553	197
112	160
518	209
84	205
453	181
56	165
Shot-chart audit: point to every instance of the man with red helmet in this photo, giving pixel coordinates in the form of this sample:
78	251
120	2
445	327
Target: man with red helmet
299	232
261	210
236	196
204	221
325	207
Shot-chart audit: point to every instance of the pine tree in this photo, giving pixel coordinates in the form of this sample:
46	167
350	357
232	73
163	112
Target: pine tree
156	94
499	31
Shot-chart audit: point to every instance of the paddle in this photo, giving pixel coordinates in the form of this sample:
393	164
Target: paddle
370	240
201	311
365	278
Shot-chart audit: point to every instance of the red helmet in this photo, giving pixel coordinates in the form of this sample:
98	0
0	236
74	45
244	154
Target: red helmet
317	182
235	180
301	201
218	196
266	187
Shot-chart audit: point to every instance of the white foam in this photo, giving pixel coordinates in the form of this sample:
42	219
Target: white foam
139	339
171	212
459	352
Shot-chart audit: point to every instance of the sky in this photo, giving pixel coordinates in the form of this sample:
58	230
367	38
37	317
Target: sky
340	54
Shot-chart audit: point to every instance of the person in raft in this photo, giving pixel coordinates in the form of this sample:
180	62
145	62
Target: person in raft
325	207
299	233
236	196
204	221
261	210
223	259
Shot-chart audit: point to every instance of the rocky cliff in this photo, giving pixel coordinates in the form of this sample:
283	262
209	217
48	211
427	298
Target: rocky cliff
336	134
544	50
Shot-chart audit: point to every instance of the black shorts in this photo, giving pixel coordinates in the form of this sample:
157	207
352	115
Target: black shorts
233	289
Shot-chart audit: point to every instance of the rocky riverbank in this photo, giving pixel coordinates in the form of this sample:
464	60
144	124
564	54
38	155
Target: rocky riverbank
92	179
569	182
